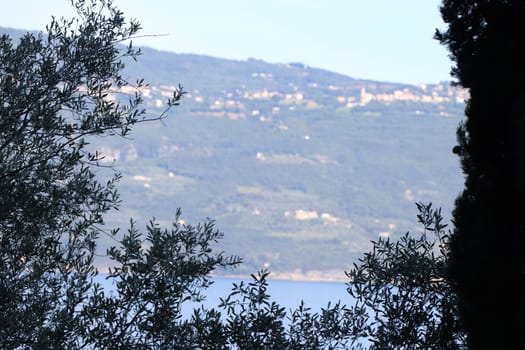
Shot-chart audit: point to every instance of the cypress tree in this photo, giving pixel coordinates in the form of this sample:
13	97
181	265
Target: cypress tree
486	39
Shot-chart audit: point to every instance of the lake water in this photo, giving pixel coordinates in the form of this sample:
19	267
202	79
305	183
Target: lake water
288	294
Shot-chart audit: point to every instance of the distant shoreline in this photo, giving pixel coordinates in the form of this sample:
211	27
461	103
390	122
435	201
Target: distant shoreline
293	276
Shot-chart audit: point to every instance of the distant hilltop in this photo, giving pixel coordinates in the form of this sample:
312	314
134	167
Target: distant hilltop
300	167
213	67
217	85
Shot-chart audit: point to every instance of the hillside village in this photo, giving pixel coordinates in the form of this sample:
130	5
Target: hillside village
300	167
235	104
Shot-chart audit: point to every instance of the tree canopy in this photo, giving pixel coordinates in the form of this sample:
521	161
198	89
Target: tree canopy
58	90
487	266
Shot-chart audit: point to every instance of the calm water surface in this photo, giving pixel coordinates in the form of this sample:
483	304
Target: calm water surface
287	294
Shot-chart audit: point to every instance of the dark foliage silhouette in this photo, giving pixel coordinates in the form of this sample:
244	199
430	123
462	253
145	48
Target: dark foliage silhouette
487	264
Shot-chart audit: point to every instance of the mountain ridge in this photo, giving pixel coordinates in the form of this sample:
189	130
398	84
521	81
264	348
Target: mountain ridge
300	167
271	131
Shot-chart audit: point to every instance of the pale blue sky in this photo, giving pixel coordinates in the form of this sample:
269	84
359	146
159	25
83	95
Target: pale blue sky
385	40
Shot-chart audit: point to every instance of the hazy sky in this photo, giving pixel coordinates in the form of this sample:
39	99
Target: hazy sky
388	40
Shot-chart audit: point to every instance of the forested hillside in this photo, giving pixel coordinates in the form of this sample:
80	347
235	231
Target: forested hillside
300	167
